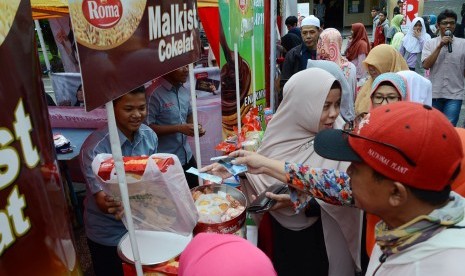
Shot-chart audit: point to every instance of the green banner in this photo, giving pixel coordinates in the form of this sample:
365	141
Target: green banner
242	24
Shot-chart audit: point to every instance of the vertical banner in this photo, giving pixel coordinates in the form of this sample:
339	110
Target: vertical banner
64	39
35	232
123	44
241	23
410	9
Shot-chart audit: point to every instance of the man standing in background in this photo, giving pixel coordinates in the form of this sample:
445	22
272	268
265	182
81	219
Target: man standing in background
291	24
375	16
445	57
297	57
170	116
398	8
381	30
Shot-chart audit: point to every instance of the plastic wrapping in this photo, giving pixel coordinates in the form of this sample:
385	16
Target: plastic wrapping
160	201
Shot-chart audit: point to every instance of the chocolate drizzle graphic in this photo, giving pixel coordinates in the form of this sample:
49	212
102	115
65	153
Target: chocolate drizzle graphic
228	85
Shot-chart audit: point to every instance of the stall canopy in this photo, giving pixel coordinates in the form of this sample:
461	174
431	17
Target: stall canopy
42	9
208	13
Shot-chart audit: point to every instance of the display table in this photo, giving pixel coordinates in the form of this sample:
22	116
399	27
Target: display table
77	137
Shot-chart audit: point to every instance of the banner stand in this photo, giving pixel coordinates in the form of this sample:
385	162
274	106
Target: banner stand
272	52
121	174
195	119
42	46
238	93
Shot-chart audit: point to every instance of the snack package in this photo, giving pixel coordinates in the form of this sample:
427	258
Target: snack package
134	166
159	196
62	144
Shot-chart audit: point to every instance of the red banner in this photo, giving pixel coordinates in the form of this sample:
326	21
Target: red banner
123	44
35	231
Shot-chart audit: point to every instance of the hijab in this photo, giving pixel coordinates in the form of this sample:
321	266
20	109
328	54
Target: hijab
410	42
396	21
347	100
419	87
360	44
329	47
385	59
289	137
395	80
290	133
396	41
223	254
432	19
427	26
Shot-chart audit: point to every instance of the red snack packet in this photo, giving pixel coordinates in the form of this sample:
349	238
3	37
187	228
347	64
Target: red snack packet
134	165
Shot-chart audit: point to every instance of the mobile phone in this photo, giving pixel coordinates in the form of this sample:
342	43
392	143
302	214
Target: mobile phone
263	203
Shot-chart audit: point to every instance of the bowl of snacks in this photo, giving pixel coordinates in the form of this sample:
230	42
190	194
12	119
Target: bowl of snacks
221	209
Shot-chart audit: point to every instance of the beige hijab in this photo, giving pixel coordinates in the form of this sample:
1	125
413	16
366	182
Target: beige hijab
385	59
289	135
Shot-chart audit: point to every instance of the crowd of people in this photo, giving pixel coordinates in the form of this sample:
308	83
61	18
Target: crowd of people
372	158
431	47
388	104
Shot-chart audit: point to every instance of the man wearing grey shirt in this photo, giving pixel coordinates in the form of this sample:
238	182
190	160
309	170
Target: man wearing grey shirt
170	116
447	67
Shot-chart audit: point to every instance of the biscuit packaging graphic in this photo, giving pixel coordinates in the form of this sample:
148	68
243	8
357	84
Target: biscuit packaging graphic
105	24
8	8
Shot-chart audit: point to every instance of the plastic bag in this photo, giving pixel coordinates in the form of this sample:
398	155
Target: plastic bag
160	201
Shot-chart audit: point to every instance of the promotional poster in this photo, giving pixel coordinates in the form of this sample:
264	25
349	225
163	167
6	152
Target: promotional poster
35	230
123	44
242	23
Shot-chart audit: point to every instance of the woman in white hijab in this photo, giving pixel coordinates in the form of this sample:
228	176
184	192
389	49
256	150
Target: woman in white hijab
311	103
419	87
412	44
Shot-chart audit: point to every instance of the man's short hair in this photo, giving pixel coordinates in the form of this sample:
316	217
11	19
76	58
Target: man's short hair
446	13
400	2
137	90
291	21
375	9
383	12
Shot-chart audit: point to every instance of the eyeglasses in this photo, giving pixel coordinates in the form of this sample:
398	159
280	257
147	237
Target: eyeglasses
378	99
445	23
403	154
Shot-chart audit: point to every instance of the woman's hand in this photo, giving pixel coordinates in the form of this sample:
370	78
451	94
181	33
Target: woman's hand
255	162
282	200
216	169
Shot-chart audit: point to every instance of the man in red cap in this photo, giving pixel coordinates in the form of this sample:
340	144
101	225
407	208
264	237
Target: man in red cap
404	158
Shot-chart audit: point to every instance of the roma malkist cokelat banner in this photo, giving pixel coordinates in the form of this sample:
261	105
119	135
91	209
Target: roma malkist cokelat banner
35	232
122	44
242	23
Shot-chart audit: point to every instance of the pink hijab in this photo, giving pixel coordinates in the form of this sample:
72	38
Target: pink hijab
211	254
329	47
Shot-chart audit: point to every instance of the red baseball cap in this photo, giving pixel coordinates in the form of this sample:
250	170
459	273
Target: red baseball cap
407	142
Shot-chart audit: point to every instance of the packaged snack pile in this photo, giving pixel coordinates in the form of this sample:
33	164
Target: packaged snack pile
216	207
250	136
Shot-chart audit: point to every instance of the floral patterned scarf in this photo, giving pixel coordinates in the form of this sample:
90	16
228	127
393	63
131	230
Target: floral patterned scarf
419	229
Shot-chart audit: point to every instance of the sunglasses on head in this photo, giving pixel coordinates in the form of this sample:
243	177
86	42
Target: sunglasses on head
403	154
